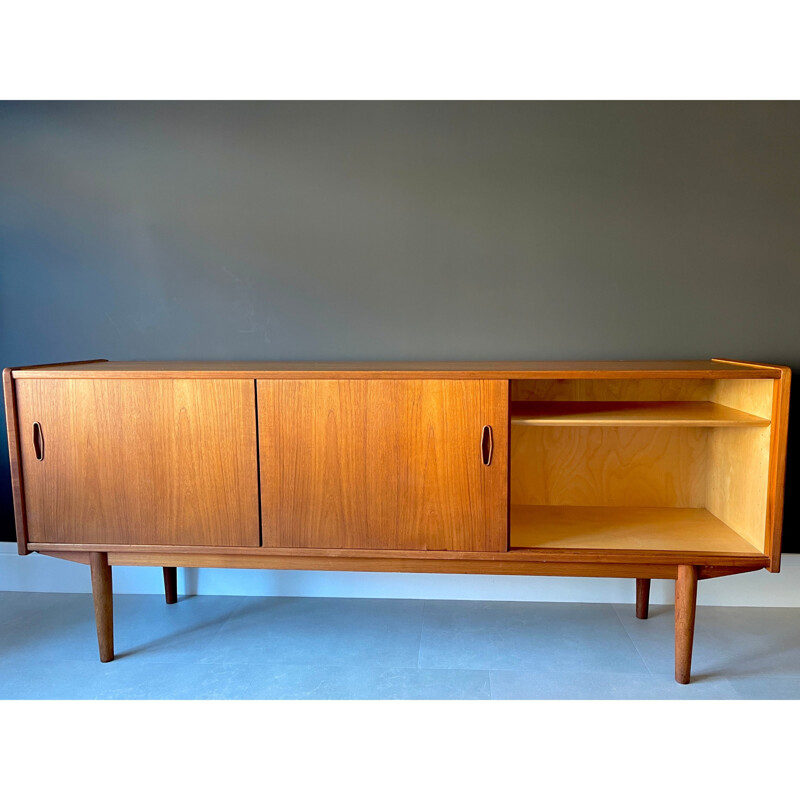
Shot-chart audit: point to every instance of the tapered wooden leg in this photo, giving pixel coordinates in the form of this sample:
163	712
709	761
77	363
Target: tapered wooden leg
103	604
642	597
685	607
171	584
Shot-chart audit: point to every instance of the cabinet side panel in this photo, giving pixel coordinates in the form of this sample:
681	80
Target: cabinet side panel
739	461
777	468
141	461
738	472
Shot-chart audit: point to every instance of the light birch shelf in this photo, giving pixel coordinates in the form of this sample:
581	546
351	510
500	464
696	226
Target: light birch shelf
670	530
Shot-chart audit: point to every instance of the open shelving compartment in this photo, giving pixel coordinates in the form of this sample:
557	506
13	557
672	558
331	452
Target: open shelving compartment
676	466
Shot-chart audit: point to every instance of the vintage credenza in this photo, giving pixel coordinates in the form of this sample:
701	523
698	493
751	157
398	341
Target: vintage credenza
641	470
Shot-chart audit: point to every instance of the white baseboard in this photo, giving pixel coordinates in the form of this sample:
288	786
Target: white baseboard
36	573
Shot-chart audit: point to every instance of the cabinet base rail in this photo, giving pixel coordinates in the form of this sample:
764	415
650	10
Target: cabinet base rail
685	606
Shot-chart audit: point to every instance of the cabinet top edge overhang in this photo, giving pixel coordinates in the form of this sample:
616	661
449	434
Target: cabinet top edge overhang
460	370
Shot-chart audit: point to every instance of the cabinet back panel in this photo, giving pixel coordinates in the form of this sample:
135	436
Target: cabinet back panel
751	395
608	466
140	461
611	389
383	464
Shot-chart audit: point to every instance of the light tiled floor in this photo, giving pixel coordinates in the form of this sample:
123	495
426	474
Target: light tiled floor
333	648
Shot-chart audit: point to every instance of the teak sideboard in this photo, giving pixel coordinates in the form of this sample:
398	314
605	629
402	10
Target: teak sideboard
641	470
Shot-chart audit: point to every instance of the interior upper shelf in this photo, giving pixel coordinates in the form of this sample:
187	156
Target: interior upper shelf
641	413
624	528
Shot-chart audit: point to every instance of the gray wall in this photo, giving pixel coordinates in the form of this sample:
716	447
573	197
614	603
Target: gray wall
400	231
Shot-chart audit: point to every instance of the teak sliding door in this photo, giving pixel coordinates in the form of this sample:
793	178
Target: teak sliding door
163	462
389	464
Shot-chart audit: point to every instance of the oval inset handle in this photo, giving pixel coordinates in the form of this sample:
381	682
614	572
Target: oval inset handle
487	445
38	441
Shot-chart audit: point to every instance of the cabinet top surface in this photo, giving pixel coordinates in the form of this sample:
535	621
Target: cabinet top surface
502	370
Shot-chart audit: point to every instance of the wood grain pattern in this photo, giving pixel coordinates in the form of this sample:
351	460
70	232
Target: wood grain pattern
612	389
679	530
685	611
12	427
726	469
636	414
743	511
78	556
613	466
745	392
146	462
414	370
267	560
531	556
777	468
750	396
738	481
103	597
738	462
383	464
